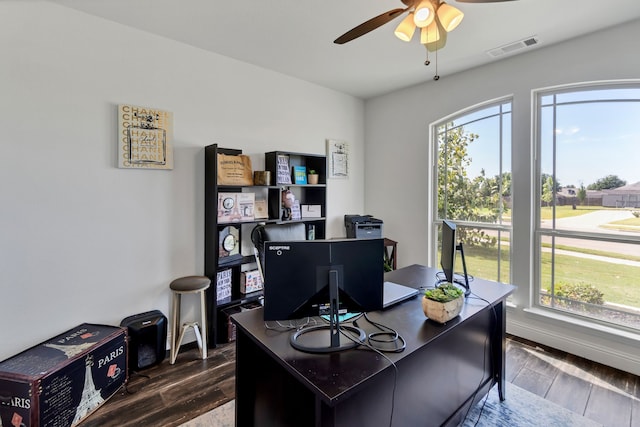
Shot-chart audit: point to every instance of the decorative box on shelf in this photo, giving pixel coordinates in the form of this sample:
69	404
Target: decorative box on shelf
250	281
311	211
236	207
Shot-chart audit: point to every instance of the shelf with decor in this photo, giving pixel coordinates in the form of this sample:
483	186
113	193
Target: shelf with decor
290	171
233	209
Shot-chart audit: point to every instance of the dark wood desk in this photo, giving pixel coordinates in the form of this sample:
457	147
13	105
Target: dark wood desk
443	370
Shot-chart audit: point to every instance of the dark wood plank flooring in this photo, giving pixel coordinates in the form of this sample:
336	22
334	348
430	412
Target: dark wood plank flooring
169	395
603	394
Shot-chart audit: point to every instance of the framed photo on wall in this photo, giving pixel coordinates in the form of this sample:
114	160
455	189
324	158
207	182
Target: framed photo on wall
337	159
144	138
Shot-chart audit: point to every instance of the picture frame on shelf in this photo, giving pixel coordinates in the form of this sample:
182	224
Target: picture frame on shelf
300	175
223	285
236	207
283	173
296	214
261	210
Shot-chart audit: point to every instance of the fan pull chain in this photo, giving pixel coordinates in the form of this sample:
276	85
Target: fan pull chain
436	77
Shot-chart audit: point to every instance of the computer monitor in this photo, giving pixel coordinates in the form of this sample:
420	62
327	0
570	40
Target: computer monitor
448	249
323	277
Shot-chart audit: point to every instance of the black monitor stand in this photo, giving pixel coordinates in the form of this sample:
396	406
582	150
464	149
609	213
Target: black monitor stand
465	284
314	339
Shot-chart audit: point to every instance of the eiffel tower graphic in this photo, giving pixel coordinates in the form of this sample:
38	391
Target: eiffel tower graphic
91	398
70	350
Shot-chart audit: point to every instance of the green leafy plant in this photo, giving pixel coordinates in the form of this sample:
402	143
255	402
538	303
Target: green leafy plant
581	292
444	293
312	172
579	296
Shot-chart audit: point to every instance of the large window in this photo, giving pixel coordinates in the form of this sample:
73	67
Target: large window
588	202
473	176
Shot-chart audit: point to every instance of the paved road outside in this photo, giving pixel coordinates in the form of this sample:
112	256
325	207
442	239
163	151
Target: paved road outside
593	222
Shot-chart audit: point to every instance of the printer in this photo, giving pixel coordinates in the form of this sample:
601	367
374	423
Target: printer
363	227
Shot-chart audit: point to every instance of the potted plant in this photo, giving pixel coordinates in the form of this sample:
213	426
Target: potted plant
443	303
312	177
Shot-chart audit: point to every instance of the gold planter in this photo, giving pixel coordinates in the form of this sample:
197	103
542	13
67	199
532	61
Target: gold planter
442	312
312	179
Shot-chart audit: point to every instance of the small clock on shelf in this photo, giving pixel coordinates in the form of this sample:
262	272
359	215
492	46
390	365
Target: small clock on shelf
228	202
229	244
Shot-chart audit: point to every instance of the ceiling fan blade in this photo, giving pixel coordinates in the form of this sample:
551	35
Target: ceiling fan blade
369	25
481	1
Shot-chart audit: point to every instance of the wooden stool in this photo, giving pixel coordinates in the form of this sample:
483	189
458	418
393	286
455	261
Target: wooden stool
188	285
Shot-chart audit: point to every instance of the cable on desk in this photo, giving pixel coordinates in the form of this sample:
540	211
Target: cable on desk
387	337
291	326
395	369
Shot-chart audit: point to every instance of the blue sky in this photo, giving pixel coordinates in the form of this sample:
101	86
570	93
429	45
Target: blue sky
593	140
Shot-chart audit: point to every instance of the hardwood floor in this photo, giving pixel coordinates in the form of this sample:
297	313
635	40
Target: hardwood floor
603	394
168	395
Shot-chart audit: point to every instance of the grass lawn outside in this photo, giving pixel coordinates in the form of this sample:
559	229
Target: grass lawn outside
619	283
633	222
629	224
594	252
546	212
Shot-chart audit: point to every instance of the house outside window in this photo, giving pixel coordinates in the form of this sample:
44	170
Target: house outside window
587	202
472	176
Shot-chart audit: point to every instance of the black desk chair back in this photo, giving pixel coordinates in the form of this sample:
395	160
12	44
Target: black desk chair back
274	233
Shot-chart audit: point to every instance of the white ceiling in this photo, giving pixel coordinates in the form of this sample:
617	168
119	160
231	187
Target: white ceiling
295	37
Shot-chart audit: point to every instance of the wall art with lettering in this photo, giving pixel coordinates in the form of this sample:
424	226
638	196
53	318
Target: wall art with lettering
144	138
337	159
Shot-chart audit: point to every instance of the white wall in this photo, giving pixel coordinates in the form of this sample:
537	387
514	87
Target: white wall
396	133
84	241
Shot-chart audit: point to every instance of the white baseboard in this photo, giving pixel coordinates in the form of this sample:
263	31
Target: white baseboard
594	350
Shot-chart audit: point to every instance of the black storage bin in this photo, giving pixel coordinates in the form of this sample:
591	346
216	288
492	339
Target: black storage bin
147	339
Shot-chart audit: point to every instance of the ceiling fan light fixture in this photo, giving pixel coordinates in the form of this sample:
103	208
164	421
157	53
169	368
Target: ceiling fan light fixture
405	30
424	14
430	33
449	16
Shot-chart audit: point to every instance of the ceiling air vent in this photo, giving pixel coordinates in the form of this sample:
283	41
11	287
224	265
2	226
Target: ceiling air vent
513	47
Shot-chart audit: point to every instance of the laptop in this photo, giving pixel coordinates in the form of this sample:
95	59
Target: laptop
395	293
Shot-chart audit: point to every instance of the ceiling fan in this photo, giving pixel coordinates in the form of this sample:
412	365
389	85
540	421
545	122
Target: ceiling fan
435	18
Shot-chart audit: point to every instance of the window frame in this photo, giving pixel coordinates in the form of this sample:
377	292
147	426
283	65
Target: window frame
537	231
432	198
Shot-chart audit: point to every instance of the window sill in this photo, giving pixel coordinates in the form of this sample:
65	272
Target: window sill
593	326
